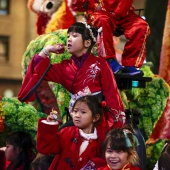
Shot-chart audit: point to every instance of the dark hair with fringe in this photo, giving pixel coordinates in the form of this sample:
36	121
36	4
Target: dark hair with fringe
117	141
94	105
23	141
80	28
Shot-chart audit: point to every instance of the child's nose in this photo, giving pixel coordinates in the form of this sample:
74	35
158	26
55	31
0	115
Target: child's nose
69	38
77	114
113	154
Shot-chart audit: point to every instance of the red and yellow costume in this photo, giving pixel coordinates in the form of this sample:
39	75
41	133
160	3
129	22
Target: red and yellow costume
126	167
90	75
110	13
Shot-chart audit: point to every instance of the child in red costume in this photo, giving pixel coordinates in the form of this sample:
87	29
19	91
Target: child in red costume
119	149
81	75
108	14
74	146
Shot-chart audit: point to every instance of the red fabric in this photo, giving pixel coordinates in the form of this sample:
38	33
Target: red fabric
32	78
46	97
66	145
2	160
127	167
75	79
113	13
41	23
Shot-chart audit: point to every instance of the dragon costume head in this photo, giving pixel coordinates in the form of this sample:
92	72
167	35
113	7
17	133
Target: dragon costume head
51	15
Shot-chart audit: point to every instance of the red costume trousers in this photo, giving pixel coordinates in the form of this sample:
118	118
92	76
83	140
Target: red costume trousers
136	31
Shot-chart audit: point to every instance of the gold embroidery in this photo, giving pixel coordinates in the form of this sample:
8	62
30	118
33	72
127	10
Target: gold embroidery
124	168
143	48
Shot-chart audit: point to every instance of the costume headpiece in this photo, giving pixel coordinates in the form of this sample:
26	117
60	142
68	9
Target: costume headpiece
128	142
91	32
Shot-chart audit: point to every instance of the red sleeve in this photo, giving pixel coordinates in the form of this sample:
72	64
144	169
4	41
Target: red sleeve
77	5
35	73
123	7
47	138
110	89
112	98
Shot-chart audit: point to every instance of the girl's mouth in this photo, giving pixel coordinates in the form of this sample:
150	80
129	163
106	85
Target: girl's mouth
114	162
69	45
76	121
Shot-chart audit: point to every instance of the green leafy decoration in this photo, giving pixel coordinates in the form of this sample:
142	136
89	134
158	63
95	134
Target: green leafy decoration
19	116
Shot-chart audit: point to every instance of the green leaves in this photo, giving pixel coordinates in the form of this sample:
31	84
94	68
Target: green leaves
20	116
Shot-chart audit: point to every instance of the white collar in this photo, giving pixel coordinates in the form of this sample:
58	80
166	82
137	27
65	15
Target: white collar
88	136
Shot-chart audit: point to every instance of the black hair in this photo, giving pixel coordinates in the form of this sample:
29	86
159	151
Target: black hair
23	141
42	162
117	140
80	28
164	159
94	105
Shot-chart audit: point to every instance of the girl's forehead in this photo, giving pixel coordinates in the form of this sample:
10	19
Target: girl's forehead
79	103
73	32
82	105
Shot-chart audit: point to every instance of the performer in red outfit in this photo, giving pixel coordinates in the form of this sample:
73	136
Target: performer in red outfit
75	145
110	14
119	148
81	75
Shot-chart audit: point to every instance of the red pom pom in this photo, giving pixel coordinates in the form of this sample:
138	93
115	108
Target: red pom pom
103	103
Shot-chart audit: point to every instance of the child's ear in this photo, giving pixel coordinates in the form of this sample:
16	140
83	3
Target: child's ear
96	118
87	43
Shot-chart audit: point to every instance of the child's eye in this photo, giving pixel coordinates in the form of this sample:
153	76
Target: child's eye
119	151
74	35
109	150
75	111
83	112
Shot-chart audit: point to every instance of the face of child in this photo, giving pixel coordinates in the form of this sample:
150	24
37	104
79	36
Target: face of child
82	117
75	44
116	159
10	152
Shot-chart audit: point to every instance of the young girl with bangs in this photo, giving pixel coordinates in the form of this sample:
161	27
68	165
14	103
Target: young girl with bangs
119	150
74	146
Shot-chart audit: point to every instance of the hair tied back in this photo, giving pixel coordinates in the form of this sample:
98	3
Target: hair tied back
104	106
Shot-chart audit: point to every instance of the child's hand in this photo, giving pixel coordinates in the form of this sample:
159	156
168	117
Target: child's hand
58	49
54	116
